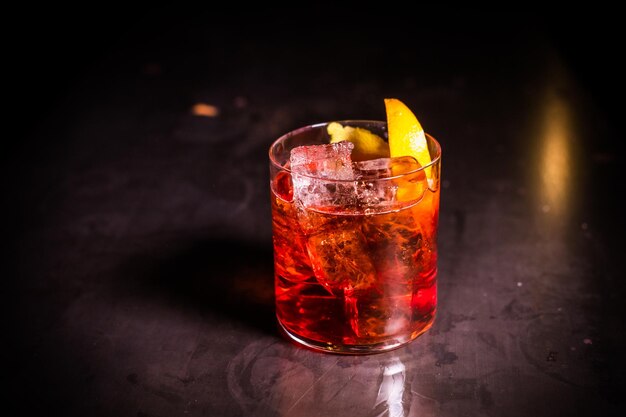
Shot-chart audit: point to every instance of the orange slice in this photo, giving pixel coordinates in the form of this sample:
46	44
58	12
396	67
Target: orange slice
406	135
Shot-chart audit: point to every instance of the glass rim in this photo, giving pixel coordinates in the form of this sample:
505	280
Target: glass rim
302	129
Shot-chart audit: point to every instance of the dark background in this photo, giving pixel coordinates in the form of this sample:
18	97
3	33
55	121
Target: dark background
120	203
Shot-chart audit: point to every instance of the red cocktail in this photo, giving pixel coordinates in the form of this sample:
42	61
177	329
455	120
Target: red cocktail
355	249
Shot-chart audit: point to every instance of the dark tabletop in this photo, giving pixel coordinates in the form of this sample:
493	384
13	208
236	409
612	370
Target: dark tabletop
141	277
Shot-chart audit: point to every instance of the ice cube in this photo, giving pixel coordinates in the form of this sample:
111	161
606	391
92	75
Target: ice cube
322	175
323	185
372	315
330	161
384	182
403	258
339	256
398	248
385	167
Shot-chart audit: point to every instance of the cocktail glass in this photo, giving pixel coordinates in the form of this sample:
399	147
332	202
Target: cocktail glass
355	257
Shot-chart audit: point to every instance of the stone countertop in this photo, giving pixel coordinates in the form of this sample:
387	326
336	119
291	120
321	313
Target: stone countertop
143	254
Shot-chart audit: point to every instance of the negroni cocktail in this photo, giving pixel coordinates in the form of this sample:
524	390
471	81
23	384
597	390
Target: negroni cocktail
355	217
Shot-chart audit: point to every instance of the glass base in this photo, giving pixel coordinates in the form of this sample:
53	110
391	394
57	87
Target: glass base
368	349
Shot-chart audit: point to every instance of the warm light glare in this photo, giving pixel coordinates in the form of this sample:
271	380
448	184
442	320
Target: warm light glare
555	156
205	110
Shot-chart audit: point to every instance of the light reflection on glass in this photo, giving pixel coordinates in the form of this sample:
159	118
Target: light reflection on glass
391	391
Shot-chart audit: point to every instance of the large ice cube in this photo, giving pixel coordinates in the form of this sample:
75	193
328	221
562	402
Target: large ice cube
384	182
322	175
399	252
340	259
331	161
323	186
372	315
385	167
397	248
